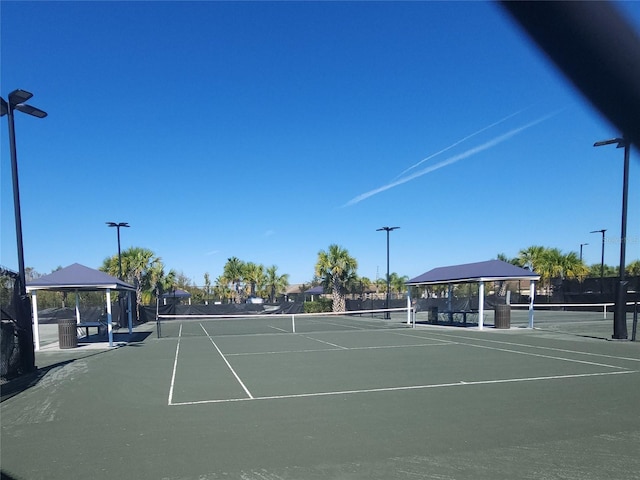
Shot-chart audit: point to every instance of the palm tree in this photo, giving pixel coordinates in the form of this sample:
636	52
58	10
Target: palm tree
573	267
136	263
207	285
531	257
336	268
274	283
221	289
233	272
397	283
633	268
158	282
254	276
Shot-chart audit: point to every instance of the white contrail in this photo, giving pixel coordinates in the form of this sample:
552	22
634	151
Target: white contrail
449	161
460	141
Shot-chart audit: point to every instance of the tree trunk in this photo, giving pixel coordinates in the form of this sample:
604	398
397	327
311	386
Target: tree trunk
339	304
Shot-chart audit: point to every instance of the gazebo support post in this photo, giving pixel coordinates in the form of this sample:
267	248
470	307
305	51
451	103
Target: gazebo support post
109	318
129	313
36	327
532	294
480	305
77	307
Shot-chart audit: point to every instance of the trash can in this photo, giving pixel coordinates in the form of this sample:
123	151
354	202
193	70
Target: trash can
433	315
67	333
502	316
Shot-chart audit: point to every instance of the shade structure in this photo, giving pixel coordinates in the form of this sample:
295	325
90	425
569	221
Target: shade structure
76	278
479	272
176	294
489	271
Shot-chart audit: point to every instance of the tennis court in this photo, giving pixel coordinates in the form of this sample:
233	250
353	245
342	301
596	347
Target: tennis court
343	403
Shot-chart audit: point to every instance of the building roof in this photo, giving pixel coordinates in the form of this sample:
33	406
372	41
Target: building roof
78	277
491	270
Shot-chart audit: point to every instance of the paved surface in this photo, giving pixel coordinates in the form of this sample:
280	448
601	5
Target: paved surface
435	403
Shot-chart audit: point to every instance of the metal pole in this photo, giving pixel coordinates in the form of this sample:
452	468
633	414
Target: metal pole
620	315
602	266
119	255
24	320
601	260
16	200
388	279
388	229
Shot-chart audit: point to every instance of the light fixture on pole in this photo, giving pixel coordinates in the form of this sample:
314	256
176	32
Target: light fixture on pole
620	311
16	102
601	259
118	225
387	229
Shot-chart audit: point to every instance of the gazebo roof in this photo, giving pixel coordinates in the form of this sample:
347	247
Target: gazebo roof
178	293
491	270
78	277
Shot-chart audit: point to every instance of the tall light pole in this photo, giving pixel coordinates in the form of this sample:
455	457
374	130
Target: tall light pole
16	102
387	229
118	226
601	259
582	245
620	312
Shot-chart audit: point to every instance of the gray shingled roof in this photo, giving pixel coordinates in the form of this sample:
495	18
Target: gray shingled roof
78	277
492	270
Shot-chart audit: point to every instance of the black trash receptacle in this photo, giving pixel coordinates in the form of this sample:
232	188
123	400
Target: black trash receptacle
67	333
502	316
433	315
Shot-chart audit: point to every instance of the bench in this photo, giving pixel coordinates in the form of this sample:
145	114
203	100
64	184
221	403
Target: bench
88	325
450	317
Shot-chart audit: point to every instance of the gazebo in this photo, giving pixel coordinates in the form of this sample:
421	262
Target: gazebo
176	294
479	272
75	278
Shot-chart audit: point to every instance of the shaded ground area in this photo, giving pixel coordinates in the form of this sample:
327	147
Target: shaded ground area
433	402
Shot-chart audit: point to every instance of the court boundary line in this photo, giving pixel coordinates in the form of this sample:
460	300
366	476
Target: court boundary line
341	349
175	367
572	360
540	347
405	388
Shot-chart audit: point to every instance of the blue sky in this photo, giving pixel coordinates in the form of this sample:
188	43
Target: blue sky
270	130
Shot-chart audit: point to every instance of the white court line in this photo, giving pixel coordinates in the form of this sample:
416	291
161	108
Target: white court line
413	387
527	353
338	349
175	366
228	364
327	343
413	335
342	325
543	356
577	352
279	329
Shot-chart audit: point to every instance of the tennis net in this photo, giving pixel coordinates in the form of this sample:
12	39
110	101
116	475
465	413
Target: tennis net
173	325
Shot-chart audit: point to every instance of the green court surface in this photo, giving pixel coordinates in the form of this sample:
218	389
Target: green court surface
432	402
